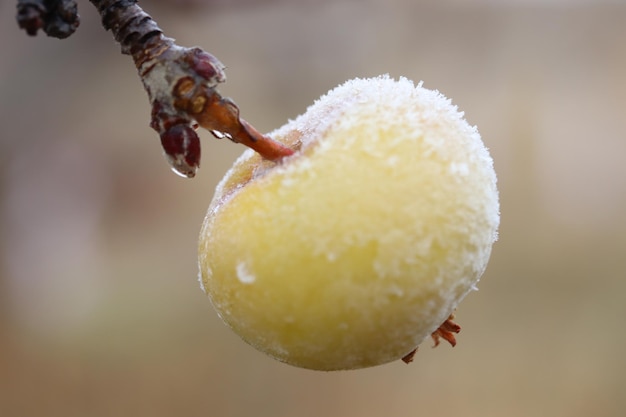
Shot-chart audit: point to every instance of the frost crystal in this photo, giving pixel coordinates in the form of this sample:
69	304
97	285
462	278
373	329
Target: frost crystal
244	275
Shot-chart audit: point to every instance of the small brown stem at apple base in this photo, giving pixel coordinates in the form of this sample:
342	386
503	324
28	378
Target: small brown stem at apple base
446	332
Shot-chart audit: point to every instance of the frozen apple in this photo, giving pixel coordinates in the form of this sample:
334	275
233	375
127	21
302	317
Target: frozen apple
351	252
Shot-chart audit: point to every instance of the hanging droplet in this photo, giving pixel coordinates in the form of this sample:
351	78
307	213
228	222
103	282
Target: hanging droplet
185	174
221	135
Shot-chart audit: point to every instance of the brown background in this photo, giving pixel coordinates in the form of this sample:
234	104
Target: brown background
100	310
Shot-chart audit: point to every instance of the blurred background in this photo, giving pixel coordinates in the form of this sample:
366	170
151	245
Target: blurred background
100	310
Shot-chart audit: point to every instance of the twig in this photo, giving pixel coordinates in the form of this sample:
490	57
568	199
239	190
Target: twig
180	83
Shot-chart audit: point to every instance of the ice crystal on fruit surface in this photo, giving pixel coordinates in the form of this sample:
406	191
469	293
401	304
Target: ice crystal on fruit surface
244	275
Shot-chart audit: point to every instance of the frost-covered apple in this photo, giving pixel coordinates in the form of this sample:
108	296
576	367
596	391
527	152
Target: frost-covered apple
351	252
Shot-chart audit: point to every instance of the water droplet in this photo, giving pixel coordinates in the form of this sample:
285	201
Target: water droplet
184	172
220	135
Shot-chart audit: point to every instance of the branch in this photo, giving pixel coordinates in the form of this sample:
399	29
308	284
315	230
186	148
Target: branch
180	83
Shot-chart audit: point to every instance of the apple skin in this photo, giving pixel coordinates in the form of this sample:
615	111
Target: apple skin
351	252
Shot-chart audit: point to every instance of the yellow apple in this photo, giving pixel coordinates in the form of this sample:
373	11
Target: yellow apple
351	252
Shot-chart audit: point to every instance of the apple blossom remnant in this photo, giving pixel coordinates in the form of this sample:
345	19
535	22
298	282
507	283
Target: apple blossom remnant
180	82
446	332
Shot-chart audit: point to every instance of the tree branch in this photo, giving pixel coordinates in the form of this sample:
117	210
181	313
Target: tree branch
180	82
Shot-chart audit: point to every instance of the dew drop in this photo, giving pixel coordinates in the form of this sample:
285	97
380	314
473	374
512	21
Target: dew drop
184	174
220	135
243	274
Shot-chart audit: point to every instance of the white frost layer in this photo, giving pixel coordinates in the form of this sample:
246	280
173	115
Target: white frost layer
400	96
389	208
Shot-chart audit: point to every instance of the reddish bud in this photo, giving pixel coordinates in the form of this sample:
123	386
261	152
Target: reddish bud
182	149
206	66
30	17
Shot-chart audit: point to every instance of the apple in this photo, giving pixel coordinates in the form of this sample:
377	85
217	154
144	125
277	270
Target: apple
352	251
